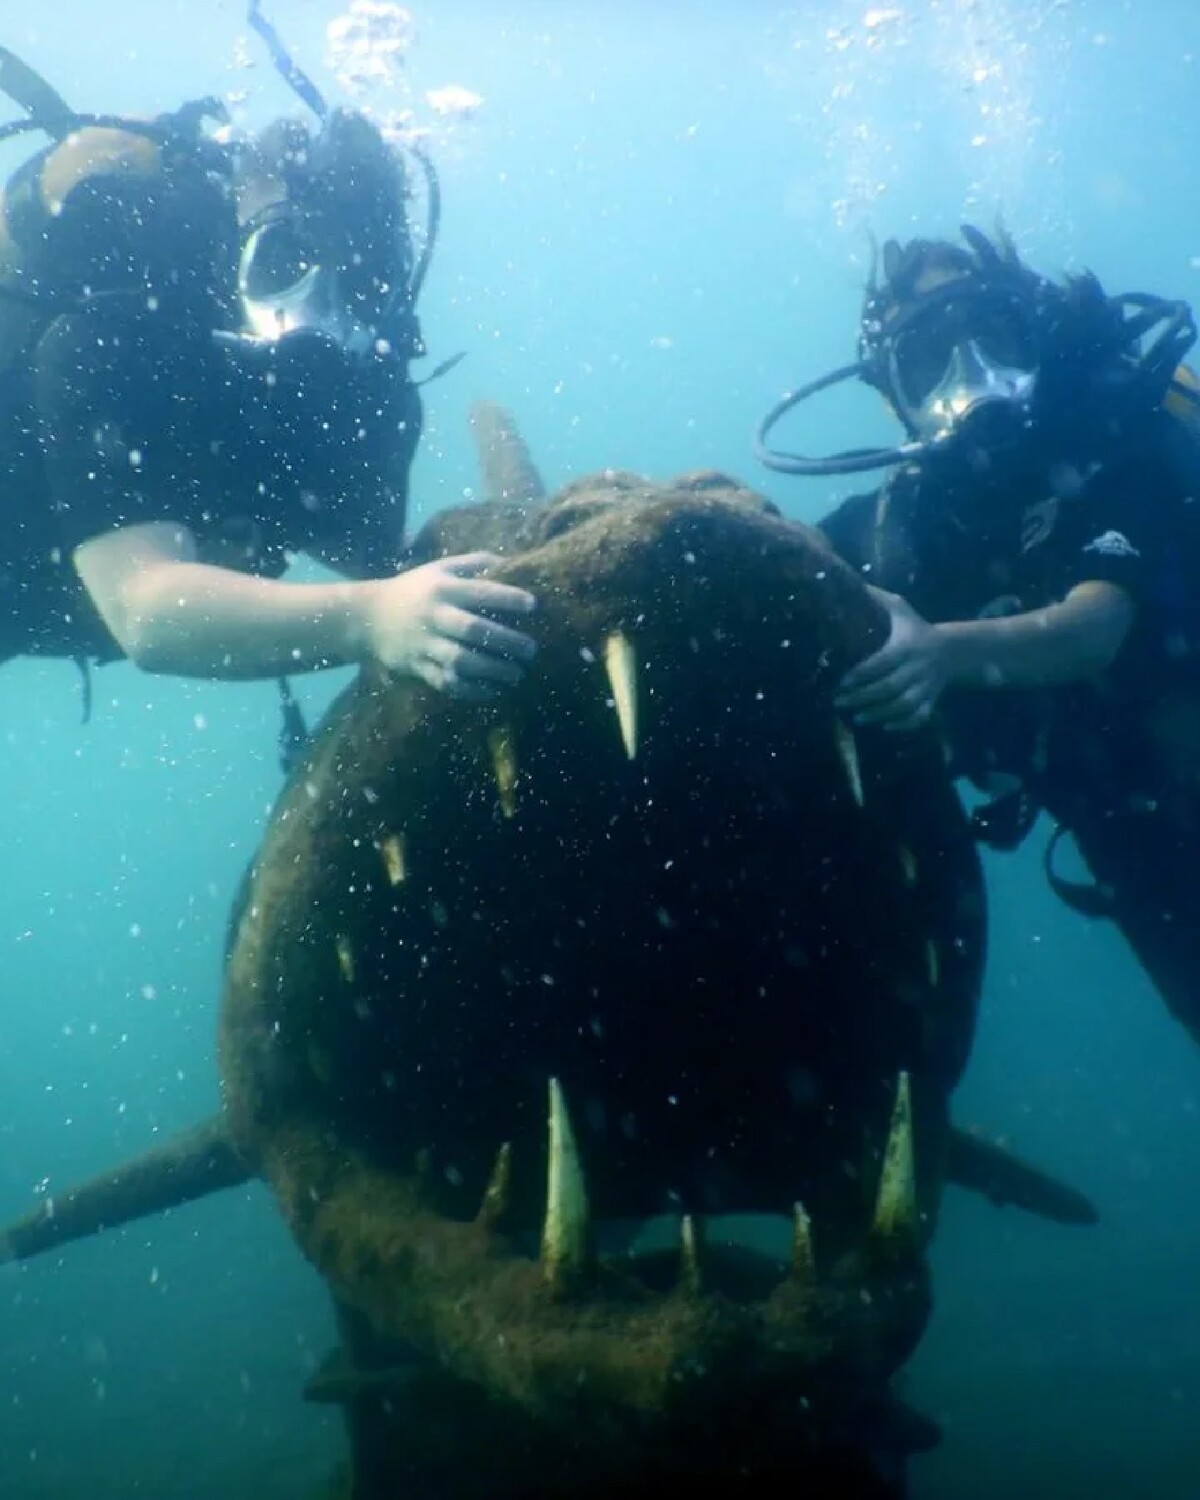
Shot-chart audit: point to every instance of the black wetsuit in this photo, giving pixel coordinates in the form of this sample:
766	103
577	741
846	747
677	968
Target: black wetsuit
127	407
1116	762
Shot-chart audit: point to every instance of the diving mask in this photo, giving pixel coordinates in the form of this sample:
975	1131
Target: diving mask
959	365
286	286
955	358
330	249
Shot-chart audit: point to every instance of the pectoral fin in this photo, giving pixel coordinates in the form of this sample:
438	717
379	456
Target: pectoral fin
984	1167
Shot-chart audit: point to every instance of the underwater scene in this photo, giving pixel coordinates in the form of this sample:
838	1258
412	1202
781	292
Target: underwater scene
707	993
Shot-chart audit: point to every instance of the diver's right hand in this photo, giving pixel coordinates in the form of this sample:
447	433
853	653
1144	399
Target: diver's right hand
437	623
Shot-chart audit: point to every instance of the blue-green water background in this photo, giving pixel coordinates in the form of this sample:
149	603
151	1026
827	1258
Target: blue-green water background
653	226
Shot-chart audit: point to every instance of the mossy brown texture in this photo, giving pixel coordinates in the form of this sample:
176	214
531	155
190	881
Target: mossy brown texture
727	948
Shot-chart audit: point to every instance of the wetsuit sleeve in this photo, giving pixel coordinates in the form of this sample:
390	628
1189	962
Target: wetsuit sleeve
1119	534
360	530
114	413
381	543
850	529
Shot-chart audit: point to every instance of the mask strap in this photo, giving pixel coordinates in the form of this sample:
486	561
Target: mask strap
299	82
30	91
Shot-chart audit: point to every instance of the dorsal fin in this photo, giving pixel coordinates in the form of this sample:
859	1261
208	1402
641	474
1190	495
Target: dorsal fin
506	468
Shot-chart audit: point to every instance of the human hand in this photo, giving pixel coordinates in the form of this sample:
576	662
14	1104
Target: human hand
899	686
435	623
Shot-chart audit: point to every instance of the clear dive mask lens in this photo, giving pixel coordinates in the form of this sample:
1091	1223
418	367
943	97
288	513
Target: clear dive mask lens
276	262
289	278
999	333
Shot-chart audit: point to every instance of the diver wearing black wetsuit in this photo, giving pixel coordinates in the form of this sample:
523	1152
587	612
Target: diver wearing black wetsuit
128	410
204	369
1038	534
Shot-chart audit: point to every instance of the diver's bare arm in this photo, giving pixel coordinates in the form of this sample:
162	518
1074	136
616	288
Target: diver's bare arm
1066	642
172	614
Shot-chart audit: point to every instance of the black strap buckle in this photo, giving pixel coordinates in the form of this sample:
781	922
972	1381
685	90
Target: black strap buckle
1004	822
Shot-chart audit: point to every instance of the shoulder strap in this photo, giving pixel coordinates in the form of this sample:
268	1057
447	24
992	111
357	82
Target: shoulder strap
29	90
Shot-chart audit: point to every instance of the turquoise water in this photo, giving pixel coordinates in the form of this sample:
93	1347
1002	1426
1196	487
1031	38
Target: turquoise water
654	224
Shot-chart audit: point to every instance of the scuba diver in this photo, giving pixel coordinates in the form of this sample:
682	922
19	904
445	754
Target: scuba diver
1036	544
204	370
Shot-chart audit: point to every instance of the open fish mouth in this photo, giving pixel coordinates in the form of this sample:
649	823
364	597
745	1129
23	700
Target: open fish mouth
524	1005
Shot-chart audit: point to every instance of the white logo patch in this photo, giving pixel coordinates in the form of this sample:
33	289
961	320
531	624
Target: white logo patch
1112	544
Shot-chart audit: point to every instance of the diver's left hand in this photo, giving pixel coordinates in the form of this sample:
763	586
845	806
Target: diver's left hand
899	686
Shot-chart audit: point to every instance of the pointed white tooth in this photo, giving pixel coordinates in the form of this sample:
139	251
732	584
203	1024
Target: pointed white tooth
504	767
847	749
392	852
690	1256
497	1194
804	1267
620	662
566	1237
894	1227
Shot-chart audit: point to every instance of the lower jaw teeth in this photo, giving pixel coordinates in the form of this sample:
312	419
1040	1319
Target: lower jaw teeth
744	1256
569	1237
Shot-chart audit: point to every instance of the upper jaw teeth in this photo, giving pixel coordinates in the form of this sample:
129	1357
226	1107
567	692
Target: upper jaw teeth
620	663
621	669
